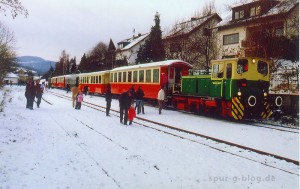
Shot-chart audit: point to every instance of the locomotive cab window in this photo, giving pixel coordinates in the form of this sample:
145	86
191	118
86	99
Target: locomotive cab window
218	70
262	67
242	66
229	71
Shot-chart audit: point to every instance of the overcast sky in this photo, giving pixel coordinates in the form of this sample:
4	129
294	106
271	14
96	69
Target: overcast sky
78	25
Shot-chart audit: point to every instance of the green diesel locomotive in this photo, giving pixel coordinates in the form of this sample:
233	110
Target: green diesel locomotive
237	88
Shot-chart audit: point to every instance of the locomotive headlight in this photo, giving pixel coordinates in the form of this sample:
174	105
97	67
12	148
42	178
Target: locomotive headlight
239	93
265	94
253	61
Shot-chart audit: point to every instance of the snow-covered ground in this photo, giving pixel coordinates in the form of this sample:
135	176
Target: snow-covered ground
56	146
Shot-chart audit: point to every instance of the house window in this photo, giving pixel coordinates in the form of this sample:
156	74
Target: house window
231	39
239	15
254	11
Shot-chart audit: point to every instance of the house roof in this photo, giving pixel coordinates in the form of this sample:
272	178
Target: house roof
282	7
11	75
133	41
189	26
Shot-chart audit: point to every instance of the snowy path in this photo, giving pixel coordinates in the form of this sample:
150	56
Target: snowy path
56	146
273	141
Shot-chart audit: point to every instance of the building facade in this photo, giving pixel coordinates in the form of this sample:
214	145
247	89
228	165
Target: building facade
250	26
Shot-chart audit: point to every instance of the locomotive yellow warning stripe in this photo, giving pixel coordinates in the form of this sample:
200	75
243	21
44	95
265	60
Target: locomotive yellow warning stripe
238	106
239	103
236	115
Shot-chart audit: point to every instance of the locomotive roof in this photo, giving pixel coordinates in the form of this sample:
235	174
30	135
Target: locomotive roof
153	64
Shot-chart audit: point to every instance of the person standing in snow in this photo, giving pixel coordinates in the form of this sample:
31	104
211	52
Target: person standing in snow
139	94
38	92
79	101
30	94
131	114
161	98
124	103
74	94
108	97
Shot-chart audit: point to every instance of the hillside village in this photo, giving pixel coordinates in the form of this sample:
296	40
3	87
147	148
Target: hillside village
250	29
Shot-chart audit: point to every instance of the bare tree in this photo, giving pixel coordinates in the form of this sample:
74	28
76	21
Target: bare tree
15	7
194	40
97	57
7	53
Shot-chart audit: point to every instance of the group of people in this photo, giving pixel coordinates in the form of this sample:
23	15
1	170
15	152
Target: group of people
34	91
126	103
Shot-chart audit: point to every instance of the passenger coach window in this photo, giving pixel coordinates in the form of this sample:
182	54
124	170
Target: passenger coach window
111	77
156	76
129	76
141	76
99	78
124	76
262	67
148	76
135	76
120	77
115	77
242	66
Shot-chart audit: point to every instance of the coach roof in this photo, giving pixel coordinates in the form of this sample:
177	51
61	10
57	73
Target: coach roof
154	64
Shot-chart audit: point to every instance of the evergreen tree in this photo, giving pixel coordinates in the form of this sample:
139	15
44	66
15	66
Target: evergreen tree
153	49
83	65
73	65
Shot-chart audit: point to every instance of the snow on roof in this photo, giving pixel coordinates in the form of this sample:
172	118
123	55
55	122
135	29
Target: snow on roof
135	41
280	8
188	26
12	75
153	64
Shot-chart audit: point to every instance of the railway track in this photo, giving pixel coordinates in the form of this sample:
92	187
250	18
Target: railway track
145	123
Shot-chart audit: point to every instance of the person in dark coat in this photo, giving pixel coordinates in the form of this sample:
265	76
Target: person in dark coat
108	97
38	92
132	93
30	94
124	103
139	94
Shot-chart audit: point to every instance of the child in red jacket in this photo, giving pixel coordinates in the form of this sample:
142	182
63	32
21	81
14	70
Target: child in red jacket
131	114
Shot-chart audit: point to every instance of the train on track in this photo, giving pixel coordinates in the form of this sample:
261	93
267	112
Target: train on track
235	88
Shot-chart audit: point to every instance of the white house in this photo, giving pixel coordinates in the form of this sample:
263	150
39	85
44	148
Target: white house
127	49
11	78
